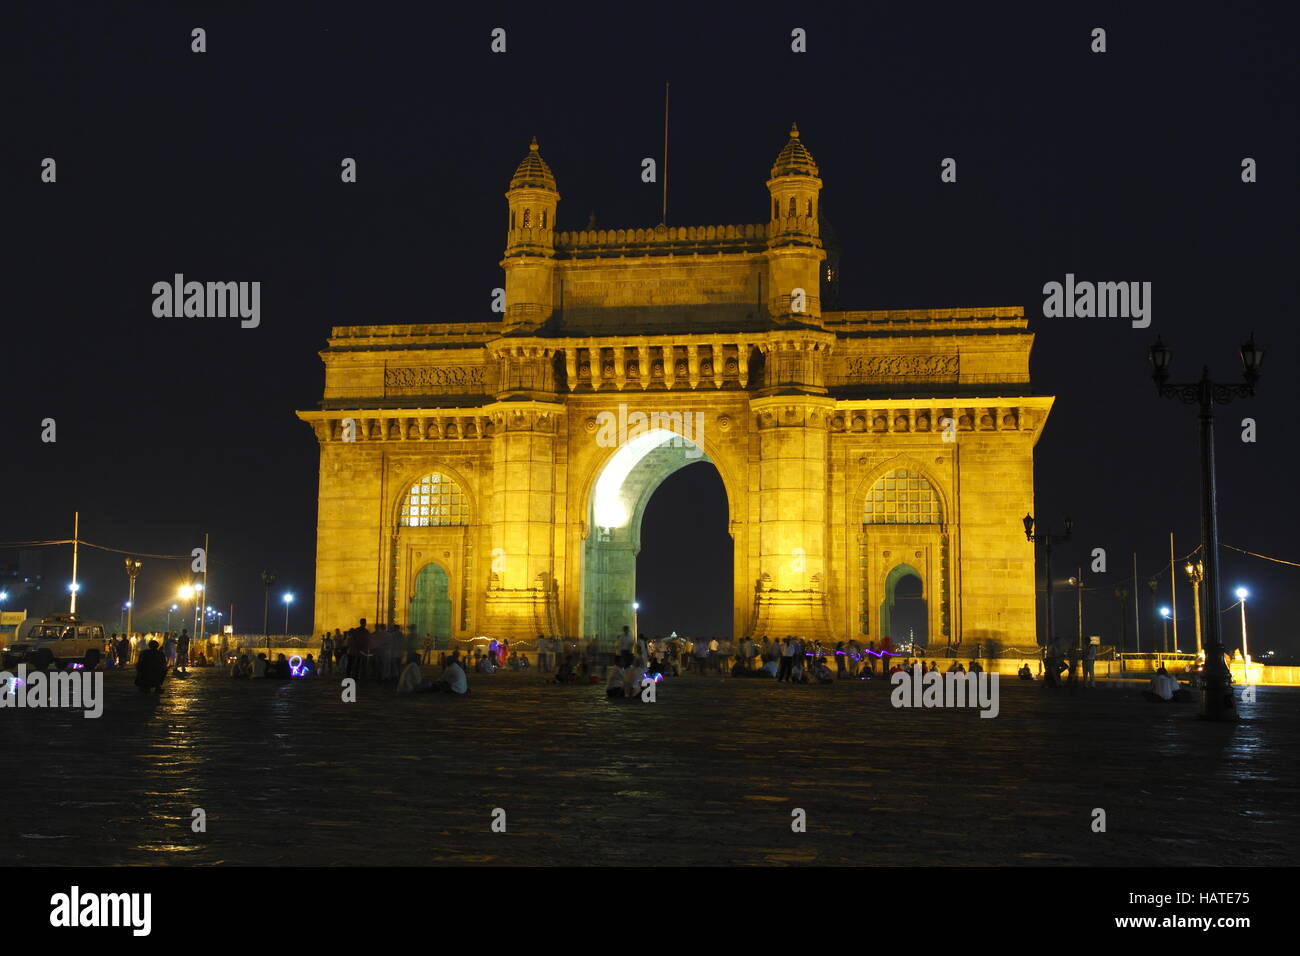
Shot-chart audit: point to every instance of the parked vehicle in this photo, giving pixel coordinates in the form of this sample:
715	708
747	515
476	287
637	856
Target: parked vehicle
66	639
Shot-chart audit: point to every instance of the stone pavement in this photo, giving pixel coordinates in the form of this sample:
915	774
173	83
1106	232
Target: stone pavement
708	774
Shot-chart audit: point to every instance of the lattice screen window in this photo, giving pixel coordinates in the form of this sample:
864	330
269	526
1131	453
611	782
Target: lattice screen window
902	497
434	500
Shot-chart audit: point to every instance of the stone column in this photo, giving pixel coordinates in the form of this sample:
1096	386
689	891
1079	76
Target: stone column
790	595
521	559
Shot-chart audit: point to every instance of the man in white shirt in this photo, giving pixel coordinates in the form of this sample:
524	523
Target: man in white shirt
411	679
632	678
1162	688
625	646
453	678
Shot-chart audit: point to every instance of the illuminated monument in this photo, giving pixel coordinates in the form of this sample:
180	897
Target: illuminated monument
490	477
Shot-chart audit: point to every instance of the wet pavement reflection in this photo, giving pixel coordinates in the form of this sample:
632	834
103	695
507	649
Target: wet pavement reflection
709	774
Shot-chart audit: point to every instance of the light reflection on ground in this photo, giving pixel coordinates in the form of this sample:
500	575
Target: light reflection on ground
709	774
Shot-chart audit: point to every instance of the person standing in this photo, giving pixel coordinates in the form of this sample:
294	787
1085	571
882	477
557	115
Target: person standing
327	654
1090	664
701	656
625	647
358	647
428	649
183	651
787	659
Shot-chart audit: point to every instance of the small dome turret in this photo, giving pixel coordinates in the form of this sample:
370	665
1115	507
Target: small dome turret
794	159
533	173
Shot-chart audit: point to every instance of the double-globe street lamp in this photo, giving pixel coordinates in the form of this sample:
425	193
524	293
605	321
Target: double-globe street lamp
1217	700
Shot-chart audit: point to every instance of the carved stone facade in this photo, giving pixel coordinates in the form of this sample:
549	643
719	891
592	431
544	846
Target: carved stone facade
855	447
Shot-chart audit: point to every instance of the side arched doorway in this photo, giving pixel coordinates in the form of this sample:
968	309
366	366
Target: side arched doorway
904	615
431	606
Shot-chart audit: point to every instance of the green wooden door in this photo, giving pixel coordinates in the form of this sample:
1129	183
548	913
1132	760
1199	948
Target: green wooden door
431	609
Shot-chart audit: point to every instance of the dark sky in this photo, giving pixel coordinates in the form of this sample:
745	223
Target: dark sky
225	166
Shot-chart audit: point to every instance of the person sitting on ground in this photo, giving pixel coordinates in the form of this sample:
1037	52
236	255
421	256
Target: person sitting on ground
566	673
280	669
633	675
614	681
308	668
260	666
797	673
453	679
412	677
487	665
151	669
1025	672
956	668
975	668
1164	688
823	673
241	667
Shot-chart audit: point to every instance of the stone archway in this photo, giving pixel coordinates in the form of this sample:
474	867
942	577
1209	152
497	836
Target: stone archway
614	512
893	623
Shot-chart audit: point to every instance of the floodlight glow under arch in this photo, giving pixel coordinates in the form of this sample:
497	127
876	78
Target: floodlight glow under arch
610	512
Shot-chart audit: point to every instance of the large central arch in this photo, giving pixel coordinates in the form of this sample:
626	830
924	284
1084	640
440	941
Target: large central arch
615	508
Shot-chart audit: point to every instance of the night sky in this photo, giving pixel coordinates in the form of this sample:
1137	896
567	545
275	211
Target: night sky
1123	166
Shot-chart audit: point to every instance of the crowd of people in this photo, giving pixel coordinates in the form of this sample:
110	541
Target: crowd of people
123	650
388	654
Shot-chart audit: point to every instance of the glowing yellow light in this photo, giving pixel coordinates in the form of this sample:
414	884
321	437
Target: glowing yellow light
610	511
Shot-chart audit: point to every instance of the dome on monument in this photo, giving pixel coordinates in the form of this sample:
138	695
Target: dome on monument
795	160
533	171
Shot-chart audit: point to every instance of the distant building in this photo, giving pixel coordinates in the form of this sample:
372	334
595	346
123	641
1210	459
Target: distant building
490	477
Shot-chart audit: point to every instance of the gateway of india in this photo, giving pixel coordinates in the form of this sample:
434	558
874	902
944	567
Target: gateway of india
489	478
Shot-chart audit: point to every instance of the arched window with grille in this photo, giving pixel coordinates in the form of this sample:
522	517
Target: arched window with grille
902	497
434	500
528	218
543	218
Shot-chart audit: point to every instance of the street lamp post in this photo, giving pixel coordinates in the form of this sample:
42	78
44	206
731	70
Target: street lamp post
268	579
1217	700
1197	574
288	599
1122	595
1164	643
1242	594
1048	539
1154	585
198	608
1077	582
186	593
133	566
